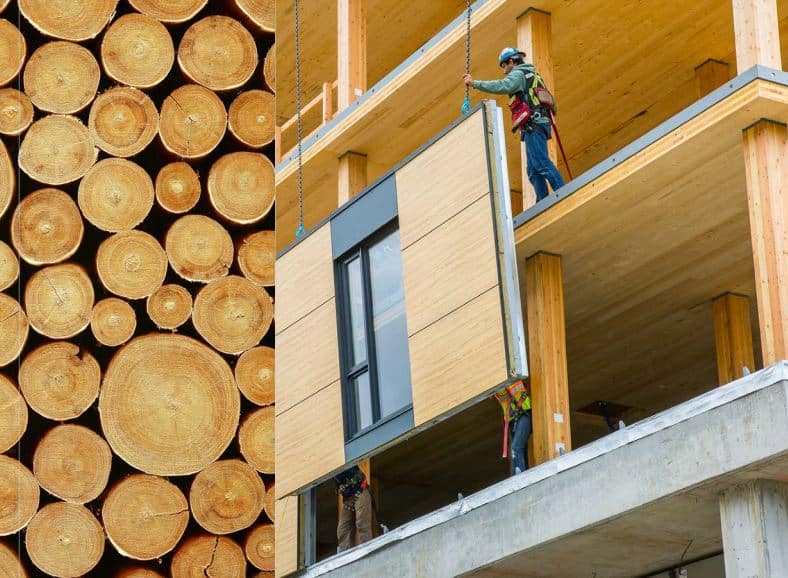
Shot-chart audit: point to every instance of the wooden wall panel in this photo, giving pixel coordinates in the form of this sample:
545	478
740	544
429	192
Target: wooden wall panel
441	181
286	536
307	356
304	278
457	358
310	440
450	266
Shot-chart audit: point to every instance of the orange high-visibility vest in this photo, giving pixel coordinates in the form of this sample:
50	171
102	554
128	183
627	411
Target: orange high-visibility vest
514	400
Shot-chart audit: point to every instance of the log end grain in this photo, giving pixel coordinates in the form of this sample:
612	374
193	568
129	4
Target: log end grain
260	547
14	327
9	266
123	121
261	12
145	516
14	422
218	53
251	118
269	68
113	321
13	49
170	306
20	493
168	405
137	50
67	19
116	195
193	121
65	540
256	438
46	227
232	314
215	556
173	11
270	502
131	264
227	497
199	249
72	463
241	187
254	374
59	300
10	564
16	112
59	381
177	187
56	150
7	179
256	254
61	77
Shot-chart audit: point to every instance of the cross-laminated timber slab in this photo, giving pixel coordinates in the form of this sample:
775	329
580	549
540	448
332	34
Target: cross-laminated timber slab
648	239
654	485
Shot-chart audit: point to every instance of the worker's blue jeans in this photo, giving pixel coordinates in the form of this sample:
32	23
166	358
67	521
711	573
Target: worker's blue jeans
521	431
541	169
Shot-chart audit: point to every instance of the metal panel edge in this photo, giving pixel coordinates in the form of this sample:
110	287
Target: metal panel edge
506	256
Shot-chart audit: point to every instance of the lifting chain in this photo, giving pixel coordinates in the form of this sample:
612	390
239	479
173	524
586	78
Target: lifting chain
300	230
466	105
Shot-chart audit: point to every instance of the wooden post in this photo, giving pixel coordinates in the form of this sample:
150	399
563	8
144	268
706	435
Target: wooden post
352	176
547	357
328	102
351	51
733	336
710	75
757	34
766	165
277	145
534	37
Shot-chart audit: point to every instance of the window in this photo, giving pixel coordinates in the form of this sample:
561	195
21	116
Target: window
373	334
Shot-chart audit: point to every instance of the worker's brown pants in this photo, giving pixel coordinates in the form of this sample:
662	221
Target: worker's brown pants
356	514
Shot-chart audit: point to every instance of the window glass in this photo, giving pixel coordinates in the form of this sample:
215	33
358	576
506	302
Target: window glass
358	335
390	329
363	401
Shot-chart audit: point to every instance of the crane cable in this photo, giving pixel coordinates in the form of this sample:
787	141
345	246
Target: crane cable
466	105
300	230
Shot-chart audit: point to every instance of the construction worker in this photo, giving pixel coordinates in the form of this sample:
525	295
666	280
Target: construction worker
536	131
356	512
516	404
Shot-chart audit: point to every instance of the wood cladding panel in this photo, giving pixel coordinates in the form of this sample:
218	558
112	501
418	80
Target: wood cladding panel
286	536
442	180
304	278
450	266
307	356
457	358
310	440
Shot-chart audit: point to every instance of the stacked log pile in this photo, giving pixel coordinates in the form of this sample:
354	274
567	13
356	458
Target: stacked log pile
136	288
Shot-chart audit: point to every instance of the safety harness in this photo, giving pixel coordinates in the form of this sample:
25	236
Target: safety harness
514	401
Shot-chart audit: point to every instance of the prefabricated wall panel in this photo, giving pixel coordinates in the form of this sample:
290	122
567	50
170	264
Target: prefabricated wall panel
309	431
464	327
450	269
286	535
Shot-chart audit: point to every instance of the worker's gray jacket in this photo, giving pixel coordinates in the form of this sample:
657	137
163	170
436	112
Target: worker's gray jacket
514	83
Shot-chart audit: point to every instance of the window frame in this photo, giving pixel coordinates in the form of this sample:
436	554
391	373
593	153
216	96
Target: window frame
349	371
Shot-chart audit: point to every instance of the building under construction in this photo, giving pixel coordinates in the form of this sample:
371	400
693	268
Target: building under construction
646	301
